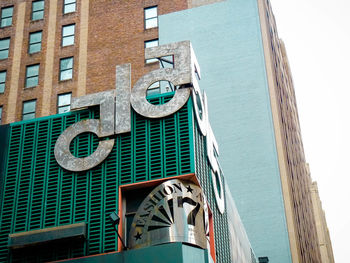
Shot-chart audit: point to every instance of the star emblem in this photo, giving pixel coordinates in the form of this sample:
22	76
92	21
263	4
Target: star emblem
189	189
138	236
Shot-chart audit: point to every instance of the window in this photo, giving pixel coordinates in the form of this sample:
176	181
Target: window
2	81
28	111
63	102
6	16
151	17
35	42
168	62
69	6
66	68
151	43
38	10
68	35
4	48
0	114
153	89
32	76
160	87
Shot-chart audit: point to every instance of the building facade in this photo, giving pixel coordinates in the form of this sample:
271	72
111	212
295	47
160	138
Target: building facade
153	177
324	240
51	51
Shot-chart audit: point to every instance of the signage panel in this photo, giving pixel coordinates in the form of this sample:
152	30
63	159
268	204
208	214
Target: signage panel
174	211
115	115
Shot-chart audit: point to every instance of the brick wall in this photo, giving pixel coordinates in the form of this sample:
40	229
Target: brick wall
116	35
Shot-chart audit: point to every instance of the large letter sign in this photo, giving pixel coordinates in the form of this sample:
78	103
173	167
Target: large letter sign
115	105
202	117
103	127
115	110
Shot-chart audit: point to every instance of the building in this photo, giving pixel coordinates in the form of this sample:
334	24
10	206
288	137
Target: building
54	50
156	184
324	240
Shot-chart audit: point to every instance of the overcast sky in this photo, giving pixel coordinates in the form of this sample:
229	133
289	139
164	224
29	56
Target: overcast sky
317	38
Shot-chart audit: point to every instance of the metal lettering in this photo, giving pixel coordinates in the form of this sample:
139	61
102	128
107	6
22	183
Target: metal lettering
152	201
70	162
106	101
166	192
200	110
122	97
178	186
179	217
202	117
181	75
161	193
147	208
115	112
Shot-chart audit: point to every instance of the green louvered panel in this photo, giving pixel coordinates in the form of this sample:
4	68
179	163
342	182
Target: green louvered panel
140	148
222	244
185	148
125	157
155	147
170	151
39	180
10	190
53	173
110	197
38	193
26	169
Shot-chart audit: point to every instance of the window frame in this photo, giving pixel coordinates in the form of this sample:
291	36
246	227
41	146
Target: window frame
64	105
3	84
150	18
68	4
67	36
6	49
61	71
151	60
30	112
4	18
33	76
37	11
35	43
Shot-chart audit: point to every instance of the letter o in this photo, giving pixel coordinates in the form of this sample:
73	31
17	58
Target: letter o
166	192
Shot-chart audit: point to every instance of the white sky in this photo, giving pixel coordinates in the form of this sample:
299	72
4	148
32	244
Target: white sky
317	38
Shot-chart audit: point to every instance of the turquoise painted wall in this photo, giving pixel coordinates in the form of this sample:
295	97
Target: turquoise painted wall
227	40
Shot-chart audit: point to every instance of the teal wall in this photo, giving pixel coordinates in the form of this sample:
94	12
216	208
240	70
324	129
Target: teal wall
227	41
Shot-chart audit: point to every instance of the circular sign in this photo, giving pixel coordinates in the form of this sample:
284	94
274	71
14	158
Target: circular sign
173	212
